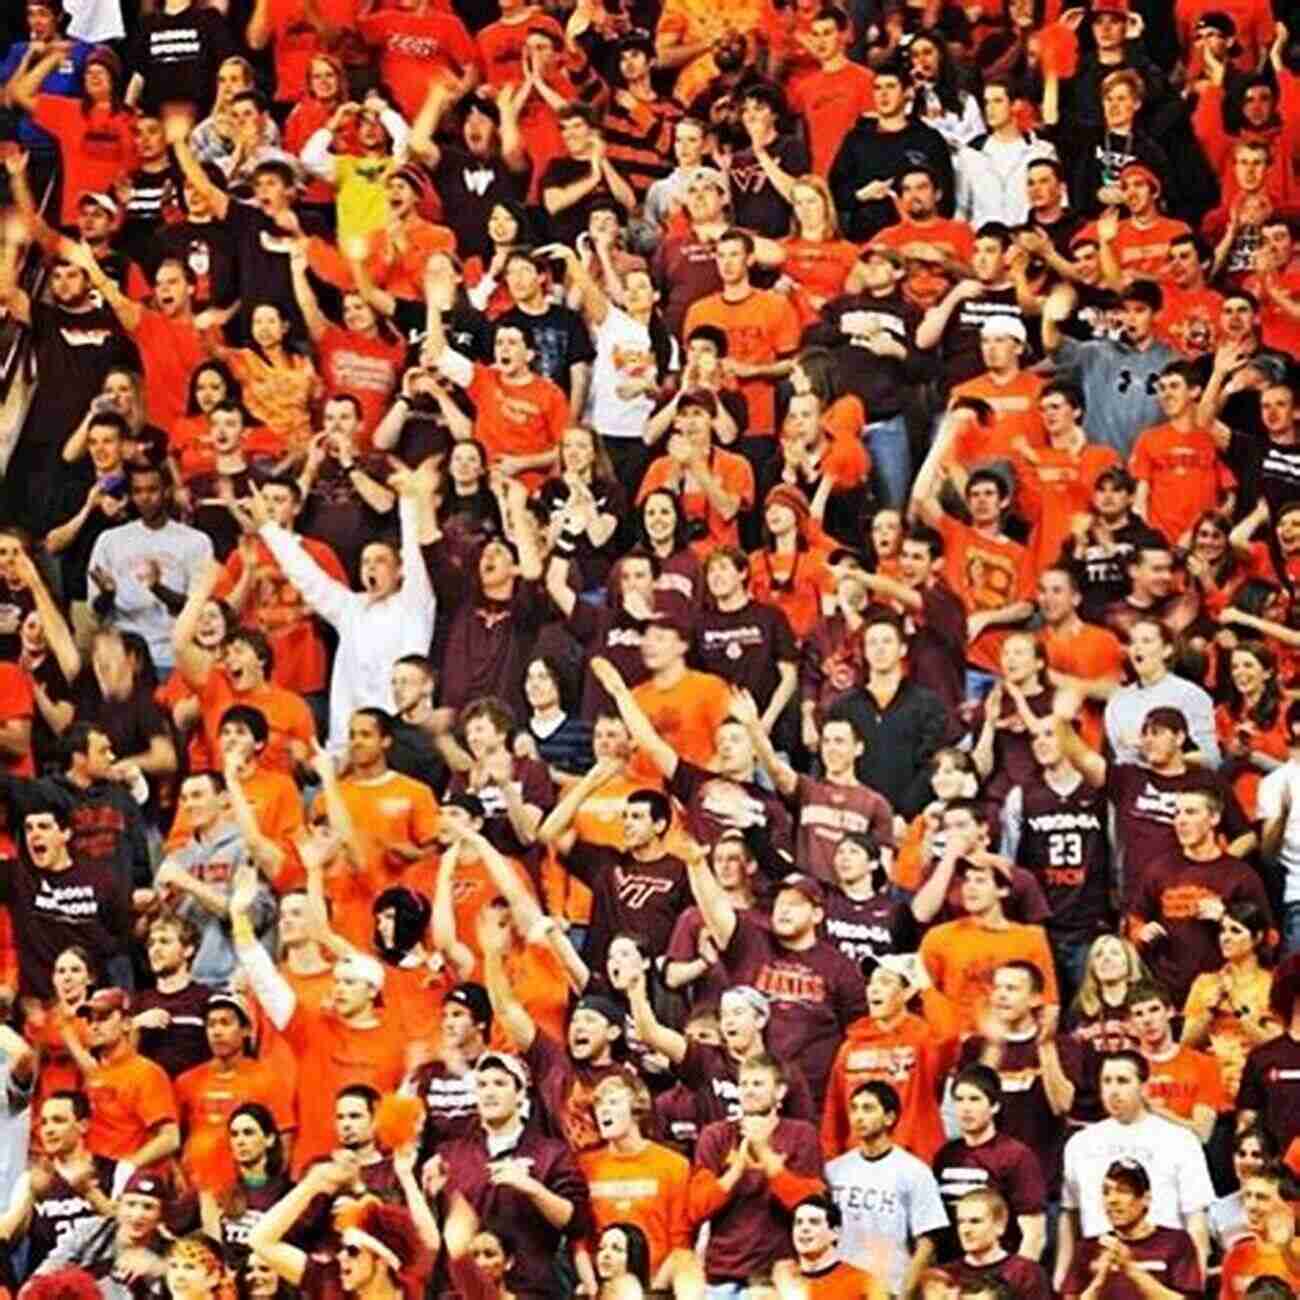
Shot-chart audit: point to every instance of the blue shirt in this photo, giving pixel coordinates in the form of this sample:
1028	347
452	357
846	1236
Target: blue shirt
64	80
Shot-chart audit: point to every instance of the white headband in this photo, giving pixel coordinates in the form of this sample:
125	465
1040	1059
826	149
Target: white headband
357	1237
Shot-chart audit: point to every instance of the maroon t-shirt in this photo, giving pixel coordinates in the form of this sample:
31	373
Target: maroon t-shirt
710	800
184	1043
612	634
565	1089
832	663
684	945
1170	893
1025	903
1270	1086
827	813
1026	1279
937	650
816	994
450	1105
752	1230
686	270
714	1075
1026	1113
535	787
1110	1030
1168	1256
642	898
1013	745
550	1162
1004	1163
1145	802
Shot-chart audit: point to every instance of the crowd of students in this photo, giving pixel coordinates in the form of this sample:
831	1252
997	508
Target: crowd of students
650	648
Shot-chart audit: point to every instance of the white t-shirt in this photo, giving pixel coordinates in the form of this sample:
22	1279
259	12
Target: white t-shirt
95	21
623	354
1172	1157
1270	805
886	1204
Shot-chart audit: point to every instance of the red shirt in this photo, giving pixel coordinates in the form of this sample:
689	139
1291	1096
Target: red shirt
171	351
416	49
368	368
96	146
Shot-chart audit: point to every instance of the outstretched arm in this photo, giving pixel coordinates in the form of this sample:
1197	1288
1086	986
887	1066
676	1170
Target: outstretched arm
445	937
661	753
271	989
191	661
494	938
717	909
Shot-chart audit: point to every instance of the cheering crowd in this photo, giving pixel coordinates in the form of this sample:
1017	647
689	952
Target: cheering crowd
649	648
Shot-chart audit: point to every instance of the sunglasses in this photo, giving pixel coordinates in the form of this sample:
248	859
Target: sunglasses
351	1251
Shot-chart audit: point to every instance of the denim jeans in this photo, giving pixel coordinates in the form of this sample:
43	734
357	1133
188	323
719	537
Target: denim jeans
1290	928
891	455
979	683
725	1291
1071	955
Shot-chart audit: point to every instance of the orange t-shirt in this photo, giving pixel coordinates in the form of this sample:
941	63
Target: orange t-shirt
297	40
1144	250
985	573
761	328
819	268
331	1055
275	607
417	49
128	1100
287	717
1053	487
1271	741
831	103
17	700
391	809
1187	1079
96	148
962	956
735	475
170	350
795	583
925	282
1015	415
1251	1258
1185	475
686	716
648	1189
206	1098
1189	319
517	419
1092	652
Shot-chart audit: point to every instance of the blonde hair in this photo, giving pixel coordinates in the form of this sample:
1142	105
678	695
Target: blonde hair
642	1105
823	191
1088	1000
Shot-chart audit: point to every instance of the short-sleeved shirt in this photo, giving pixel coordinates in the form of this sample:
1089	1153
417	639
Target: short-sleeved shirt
1270	1086
761	328
1003	1163
985	573
734	475
128	1100
1167	1255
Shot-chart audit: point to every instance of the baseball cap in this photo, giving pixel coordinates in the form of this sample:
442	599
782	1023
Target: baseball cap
806	885
748	994
359	966
1218	21
707	175
143	1183
906	965
671	610
105	1000
474	998
101	200
605	1007
1004	327
1130	1172
1110	7
512	1066
1142	172
228	997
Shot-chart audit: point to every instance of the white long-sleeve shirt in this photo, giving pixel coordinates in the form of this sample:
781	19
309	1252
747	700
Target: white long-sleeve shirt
373	634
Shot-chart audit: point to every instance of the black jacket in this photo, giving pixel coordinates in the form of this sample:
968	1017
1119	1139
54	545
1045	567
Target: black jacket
898	741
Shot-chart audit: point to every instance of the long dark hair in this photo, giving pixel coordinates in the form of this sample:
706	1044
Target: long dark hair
1229	565
638	1250
947	84
1264	714
234	393
681	534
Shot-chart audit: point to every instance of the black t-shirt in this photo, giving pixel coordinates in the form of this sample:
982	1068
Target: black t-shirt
184	1043
208	249
216	521
1100	571
755	203
264	275
151	193
74	352
1265	469
63	1208
76	556
131	724
335	512
880	383
962	355
470	187
179	54
566	226
560	340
